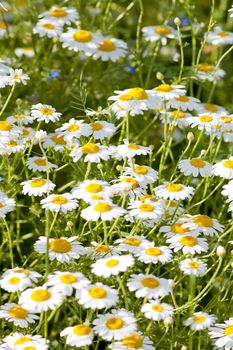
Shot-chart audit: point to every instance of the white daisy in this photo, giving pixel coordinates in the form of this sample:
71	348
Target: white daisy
184	103
62	249
206	71
195	167
191	244
115	325
40	299
48	28
20	119
88	188
149	253
110	49
56	141
9	129
92	152
39	164
98	250
67	282
79	335
17	314
17	76
167	92
211	109
37	186
148	286
112	265
203	121
15	282
193	266
219	37
32	275
6	204
16	340
133	341
203	223
157	311
104	210
200	320
97	296
147	210
174	191
80	40
47	113
222	333
162	33
178	228
130	244
224	168
24	51
130	150
62	15
74	129
143	174
59	202
127	185
101	129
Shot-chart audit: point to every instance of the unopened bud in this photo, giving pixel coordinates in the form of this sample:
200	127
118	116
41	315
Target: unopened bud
40	135
100	166
172	283
203	152
19	101
159	76
220	251
152	147
184	347
69	224
177	21
190	136
168	321
119	168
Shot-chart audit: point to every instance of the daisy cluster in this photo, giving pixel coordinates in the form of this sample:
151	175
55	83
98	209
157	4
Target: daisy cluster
109	242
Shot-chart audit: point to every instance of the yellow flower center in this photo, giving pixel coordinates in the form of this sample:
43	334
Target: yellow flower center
82	36
2	25
197	163
182	98
58	139
199	319
223	34
94	188
107	46
60	245
59	200
29	348
132	341
228	330
46	111
203	221
150	282
205	67
163	30
205	118
141	170
73	127
147	196
112	263
228	164
40	295
97	198
226	119
96	126
48	26
102	207
25	272
134	94
145	207
153	251
164	88
81	330
14	280
18	116
18	312
97	293
90	148
134	242
178	229
68	278
133	182
40	162
37	183
211	107
133	146
174	187
101	248
58	12
157	308
114	323
22	340
5	126
188	241
193	264
26	132
12	143
178	114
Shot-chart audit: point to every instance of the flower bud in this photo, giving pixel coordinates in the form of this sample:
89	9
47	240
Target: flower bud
190	136
177	21
220	251
172	283
168	321
100	166
119	168
159	76
203	152
40	135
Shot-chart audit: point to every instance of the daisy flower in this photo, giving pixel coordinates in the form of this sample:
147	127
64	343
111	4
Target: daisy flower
178	228
210	108
12	145
157	311
20	119
37	186
231	11
59	202
219	37
101	129
74	129
6	204
206	71
2	29
174	191
88	188
167	92
228	190
200	320
15	282
222	334
126	185
203	223
98	250
103	210
80	40
62	249
130	244
24	51
191	244
97	296
92	152
224	168
162	33
203	121
16	340
40	299
62	15
143	174
148	286
17	76
48	28
39	164
115	325
147	210
17	314
110	49
149	253
112	265
32	275
47	113
79	335
67	282
8	129
184	103
193	266
130	150
133	341
195	167
32	346
56	141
